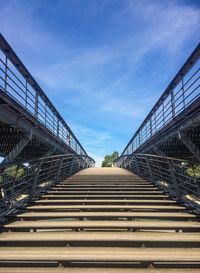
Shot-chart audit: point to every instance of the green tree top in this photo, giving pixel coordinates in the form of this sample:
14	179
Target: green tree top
109	159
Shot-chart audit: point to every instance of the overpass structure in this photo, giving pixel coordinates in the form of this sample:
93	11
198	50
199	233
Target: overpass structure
30	125
172	127
60	214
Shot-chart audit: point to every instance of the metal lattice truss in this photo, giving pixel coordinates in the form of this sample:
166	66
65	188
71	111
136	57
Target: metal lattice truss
28	119
172	127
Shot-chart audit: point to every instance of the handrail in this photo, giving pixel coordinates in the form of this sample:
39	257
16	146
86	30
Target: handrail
181	93
5	165
22	182
177	177
17	82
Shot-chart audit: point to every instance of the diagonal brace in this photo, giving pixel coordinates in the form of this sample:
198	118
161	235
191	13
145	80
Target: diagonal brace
189	144
16	150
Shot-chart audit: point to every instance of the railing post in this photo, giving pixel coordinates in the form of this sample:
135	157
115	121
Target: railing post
174	180
149	168
139	140
71	167
84	164
163	113
6	71
36	105
150	123
173	104
183	90
26	95
57	129
137	165
124	163
59	169
45	114
129	163
79	165
35	179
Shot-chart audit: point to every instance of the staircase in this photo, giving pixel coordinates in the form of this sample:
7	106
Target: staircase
102	220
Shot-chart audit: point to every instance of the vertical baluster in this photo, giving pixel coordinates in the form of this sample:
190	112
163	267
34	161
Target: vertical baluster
6	74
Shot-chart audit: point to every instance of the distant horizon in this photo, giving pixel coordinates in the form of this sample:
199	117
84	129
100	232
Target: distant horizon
103	64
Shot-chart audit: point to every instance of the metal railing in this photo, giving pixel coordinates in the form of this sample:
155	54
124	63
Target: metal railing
22	182
18	83
177	177
182	92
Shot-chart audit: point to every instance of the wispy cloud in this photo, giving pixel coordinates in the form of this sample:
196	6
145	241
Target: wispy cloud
107	67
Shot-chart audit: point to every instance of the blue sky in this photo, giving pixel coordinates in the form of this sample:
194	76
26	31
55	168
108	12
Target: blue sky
103	63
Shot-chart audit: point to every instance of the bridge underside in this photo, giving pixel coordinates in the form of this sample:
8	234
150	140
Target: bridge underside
179	139
22	137
176	146
11	136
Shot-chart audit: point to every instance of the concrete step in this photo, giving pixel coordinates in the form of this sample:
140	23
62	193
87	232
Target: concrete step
102	221
117	239
104	215
136	225
91	192
107	201
123	207
101	255
106	188
91	269
98	196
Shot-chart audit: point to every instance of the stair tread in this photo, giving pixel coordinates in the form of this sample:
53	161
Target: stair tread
100	254
107	201
106	192
107	214
100	236
93	270
164	232
102	207
142	224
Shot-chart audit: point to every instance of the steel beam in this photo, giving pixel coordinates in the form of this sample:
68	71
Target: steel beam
189	144
158	151
16	150
186	125
22	122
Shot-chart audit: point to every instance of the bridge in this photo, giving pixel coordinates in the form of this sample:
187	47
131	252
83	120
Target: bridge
30	125
59	213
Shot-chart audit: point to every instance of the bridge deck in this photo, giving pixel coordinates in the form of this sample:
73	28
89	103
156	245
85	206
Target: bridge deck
98	226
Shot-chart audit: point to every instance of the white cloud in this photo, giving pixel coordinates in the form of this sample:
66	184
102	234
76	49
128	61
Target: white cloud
165	26
104	78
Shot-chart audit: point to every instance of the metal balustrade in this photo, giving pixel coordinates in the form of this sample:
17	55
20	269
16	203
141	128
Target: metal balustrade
177	177
180	95
18	83
22	182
